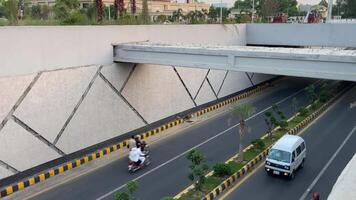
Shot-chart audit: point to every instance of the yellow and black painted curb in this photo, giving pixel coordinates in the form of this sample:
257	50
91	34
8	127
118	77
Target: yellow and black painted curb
8	190
248	167
233	178
230	100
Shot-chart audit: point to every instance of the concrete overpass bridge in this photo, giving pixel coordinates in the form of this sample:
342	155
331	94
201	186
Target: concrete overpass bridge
318	62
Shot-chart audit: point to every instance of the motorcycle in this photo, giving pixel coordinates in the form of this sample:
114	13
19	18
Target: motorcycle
132	167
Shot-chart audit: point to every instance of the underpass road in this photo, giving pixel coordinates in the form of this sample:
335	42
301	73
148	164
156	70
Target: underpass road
323	138
166	176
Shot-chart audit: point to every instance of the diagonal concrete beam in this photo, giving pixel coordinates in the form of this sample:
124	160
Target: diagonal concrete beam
322	63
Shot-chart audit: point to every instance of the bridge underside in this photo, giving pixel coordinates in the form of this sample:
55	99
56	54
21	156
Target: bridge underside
336	64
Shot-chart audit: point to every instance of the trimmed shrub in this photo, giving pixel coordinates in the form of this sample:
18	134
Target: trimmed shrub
314	105
303	111
222	169
283	124
258	144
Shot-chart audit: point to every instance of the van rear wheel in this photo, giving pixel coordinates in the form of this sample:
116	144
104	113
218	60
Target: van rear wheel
301	166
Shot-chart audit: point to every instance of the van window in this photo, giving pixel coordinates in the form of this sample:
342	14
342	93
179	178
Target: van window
279	155
299	150
293	156
303	146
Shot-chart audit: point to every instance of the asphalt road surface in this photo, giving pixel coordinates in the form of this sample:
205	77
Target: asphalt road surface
167	174
333	131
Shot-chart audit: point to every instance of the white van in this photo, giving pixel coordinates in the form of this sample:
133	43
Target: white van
286	156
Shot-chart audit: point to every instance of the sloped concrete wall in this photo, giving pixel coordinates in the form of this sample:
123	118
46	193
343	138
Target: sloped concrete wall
51	106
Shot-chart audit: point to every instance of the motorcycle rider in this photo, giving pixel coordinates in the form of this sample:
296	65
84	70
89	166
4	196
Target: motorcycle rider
140	144
137	156
132	142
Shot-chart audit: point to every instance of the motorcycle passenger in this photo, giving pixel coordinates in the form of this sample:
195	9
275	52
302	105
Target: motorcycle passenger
137	156
139	143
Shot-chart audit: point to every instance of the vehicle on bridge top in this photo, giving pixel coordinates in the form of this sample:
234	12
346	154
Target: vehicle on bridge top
286	156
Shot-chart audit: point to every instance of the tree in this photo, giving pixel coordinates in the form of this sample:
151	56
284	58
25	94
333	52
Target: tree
311	93
145	15
45	11
63	8
40	12
133	7
131	187
90	13
323	3
325	92
271	122
289	7
198	168
195	17
2	8
213	14
99	10
269	8
244	19
349	8
246	5
243	112
161	19
177	15
282	122
36	11
67	12
118	8
11	9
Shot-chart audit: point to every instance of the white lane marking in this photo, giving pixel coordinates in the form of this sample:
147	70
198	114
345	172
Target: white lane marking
206	141
327	165
352	105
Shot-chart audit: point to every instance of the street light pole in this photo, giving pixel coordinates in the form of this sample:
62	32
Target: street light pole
253	11
221	21
330	8
109	13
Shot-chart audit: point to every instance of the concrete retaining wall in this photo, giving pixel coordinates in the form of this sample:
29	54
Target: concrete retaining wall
50	107
324	35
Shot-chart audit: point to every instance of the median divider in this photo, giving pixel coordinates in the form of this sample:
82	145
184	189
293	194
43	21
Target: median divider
8	190
249	166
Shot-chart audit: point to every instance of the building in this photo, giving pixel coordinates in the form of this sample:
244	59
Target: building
155	7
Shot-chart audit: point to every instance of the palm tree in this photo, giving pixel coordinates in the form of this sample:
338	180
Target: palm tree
99	10
133	7
177	15
119	8
243	112
145	14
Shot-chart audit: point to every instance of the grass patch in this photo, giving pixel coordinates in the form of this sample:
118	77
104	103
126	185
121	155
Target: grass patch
3	22
191	195
211	182
235	166
250	154
38	22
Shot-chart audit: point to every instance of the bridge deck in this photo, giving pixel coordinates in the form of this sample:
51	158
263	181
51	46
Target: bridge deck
324	63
